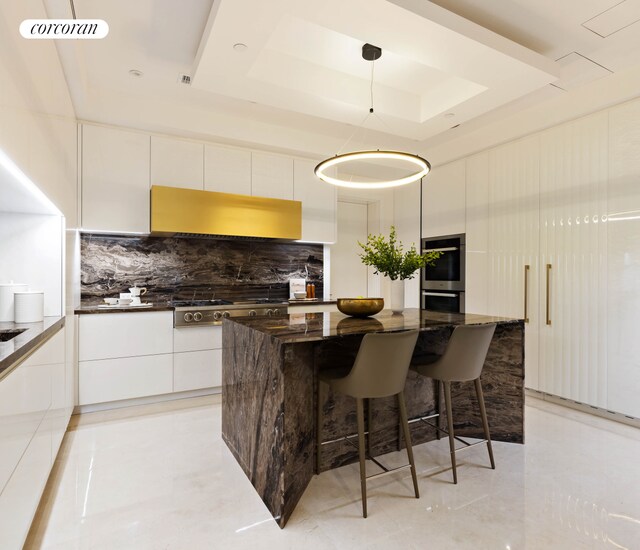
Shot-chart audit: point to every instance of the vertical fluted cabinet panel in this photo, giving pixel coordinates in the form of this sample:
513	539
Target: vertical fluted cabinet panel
477	231
573	331
513	240
623	259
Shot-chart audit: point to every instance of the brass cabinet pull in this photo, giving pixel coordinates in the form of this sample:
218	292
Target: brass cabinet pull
548	292
526	293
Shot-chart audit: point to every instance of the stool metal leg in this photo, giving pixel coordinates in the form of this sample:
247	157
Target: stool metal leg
452	448
485	422
369	427
439	407
407	438
319	420
361	452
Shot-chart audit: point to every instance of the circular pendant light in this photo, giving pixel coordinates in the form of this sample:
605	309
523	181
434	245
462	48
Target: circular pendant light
419	166
413	160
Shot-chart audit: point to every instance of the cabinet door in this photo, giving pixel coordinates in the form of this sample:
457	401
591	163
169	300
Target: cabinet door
477	231
623	260
194	370
271	176
177	163
443	200
115	180
227	170
197	338
513	240
573	330
319	203
125	378
112	335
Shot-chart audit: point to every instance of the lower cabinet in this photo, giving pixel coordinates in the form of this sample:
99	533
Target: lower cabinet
160	359
124	378
194	370
33	419
197	358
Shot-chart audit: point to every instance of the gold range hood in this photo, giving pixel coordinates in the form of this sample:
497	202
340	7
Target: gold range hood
224	215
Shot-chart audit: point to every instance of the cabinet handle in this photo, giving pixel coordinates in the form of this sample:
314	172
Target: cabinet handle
526	293
548	292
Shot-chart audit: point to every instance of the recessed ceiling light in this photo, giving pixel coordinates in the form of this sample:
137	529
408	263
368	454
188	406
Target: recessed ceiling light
449	115
136	73
240	47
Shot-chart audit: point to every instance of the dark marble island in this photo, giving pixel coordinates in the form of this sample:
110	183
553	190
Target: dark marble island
269	377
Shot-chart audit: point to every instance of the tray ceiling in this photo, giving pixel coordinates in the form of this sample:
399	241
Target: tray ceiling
307	60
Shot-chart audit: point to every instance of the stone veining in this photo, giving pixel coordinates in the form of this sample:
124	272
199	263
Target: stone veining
194	268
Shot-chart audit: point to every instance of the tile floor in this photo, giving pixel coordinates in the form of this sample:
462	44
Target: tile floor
160	477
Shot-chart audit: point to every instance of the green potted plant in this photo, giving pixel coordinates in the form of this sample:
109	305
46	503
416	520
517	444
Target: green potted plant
388	257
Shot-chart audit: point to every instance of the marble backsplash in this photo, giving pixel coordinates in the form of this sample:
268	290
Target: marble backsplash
194	268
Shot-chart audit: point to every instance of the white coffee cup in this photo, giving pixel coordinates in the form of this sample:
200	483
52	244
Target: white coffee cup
124	301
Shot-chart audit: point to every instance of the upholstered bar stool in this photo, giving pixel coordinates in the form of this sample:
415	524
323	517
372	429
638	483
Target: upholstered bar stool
462	361
380	370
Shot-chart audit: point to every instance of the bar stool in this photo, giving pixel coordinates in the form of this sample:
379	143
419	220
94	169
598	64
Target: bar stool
462	361
380	370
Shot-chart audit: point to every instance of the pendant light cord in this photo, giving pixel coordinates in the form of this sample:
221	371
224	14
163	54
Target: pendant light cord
373	64
361	125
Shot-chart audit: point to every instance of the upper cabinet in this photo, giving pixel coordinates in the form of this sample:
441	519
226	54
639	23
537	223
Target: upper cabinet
319	203
115	180
177	163
119	167
271	176
443	200
227	170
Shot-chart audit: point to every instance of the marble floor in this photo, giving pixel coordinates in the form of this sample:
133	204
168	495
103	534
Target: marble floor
160	477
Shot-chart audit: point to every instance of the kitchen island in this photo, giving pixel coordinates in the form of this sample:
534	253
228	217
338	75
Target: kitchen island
269	382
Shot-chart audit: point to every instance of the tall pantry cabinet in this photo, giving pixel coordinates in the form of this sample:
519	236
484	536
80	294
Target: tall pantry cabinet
558	243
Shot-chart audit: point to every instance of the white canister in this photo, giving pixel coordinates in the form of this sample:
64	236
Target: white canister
29	306
6	300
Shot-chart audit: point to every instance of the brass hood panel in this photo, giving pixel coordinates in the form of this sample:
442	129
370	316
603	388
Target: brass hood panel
175	210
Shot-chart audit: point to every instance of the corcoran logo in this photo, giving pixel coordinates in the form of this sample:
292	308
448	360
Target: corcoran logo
64	29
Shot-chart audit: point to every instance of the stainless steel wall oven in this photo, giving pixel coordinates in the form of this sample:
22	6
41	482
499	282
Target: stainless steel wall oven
443	284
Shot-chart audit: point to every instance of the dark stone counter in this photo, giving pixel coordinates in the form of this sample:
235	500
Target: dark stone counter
91	309
269	377
14	350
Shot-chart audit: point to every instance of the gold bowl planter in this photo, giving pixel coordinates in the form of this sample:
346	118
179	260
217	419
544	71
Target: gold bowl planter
360	307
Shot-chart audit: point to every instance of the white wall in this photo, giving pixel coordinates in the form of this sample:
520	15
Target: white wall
406	215
380	219
31	253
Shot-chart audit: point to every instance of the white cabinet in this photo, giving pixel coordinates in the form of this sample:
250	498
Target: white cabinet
623	260
573	328
477	234
319	203
227	170
514	240
115	180
443	200
111	335
195	370
124	378
32	421
197	358
177	163
271	176
125	355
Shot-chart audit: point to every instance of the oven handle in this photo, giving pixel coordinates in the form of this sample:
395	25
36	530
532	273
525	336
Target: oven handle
445	294
446	249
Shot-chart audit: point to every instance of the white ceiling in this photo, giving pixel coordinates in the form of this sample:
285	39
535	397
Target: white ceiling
302	86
